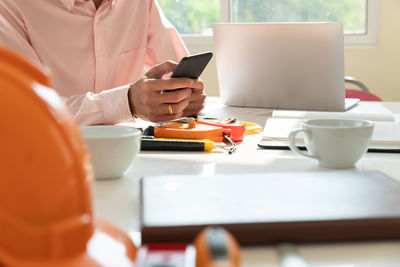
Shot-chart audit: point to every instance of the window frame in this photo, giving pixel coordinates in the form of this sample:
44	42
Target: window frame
369	39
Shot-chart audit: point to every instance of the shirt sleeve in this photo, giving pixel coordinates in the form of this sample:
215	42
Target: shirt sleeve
164	42
13	33
108	107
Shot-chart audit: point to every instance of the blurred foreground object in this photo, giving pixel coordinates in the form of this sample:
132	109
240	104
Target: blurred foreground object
46	216
216	247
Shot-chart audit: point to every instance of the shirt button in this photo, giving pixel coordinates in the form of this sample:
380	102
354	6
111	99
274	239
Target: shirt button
96	19
69	6
100	58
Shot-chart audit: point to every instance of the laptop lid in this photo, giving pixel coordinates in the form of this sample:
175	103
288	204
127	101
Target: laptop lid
281	65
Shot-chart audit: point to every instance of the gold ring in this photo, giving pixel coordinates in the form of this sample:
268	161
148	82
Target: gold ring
170	109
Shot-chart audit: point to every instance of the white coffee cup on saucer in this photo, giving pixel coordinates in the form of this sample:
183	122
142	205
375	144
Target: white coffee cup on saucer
112	148
334	143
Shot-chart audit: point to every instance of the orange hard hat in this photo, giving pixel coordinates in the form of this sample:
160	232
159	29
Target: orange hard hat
12	62
46	216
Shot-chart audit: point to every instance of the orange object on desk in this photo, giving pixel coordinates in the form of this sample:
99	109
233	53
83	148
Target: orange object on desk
200	131
189	128
234	128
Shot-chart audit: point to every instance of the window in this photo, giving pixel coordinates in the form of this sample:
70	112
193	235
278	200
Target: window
194	18
351	13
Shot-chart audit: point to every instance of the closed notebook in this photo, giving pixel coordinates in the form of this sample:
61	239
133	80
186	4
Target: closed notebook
272	207
385	138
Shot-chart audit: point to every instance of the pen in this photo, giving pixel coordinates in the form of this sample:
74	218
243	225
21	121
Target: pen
150	143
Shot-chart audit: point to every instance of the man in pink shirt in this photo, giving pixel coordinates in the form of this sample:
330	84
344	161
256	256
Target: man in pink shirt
97	52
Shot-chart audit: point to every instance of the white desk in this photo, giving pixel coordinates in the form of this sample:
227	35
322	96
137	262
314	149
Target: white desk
117	200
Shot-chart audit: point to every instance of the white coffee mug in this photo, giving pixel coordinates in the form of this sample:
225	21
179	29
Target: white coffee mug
334	143
112	148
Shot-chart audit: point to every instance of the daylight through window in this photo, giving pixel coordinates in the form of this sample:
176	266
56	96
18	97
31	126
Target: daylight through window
197	16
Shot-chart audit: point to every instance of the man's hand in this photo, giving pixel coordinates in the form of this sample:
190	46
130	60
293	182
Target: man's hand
196	101
151	100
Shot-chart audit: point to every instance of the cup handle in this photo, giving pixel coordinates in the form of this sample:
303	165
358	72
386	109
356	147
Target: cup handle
292	144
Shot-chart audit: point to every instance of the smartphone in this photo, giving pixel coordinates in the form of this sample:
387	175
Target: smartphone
192	66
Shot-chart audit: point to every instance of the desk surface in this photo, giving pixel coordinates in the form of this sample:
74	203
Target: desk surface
117	200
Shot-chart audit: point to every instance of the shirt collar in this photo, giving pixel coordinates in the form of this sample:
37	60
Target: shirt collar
69	4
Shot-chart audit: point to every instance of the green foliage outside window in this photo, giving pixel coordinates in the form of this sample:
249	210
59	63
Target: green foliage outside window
191	16
197	16
351	13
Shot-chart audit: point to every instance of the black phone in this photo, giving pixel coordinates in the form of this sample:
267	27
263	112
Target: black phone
192	66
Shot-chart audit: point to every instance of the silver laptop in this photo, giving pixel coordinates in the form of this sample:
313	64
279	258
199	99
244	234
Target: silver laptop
281	65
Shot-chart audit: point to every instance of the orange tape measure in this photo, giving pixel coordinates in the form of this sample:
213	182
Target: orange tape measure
235	129
189	128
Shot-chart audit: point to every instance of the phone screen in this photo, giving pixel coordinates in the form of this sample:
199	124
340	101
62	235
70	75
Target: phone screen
192	66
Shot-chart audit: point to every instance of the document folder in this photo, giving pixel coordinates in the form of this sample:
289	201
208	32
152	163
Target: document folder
385	137
272	208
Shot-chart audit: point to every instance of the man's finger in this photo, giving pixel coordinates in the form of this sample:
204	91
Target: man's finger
174	108
190	112
197	97
159	70
194	106
169	84
175	96
198	85
166	117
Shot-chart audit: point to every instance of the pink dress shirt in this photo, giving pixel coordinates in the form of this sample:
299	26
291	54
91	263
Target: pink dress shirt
93	55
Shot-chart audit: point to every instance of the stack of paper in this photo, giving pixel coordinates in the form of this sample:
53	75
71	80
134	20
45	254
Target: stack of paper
386	135
373	111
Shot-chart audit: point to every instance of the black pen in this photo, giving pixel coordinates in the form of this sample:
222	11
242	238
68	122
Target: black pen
149	143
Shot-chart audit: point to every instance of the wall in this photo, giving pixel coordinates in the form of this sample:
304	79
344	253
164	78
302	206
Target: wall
378	67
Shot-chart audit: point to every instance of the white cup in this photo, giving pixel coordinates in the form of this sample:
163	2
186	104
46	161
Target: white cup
334	143
112	148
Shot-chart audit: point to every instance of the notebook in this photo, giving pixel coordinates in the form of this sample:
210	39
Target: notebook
385	137
281	65
269	208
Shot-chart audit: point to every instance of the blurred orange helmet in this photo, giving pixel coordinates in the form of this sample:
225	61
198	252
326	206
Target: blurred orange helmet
46	216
